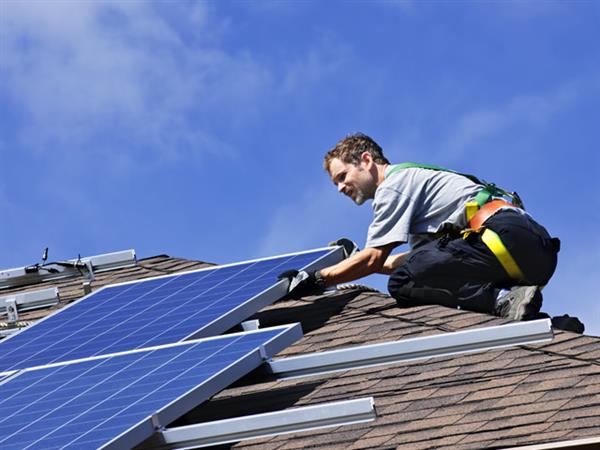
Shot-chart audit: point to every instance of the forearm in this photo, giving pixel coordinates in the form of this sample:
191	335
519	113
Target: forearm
392	262
361	264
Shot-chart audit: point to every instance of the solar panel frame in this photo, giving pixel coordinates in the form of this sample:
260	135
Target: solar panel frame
252	349
230	316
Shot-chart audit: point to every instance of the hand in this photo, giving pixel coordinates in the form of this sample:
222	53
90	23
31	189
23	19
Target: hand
303	283
350	247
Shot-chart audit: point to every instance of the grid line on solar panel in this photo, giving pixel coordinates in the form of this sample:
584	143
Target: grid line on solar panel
150	312
95	400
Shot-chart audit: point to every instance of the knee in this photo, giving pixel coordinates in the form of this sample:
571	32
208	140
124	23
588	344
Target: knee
399	287
398	280
408	292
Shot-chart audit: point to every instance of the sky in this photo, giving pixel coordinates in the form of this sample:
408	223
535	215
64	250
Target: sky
197	129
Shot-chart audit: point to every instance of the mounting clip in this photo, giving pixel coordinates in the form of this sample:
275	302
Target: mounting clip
12	311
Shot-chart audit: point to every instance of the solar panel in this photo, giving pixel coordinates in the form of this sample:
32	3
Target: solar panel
157	311
116	401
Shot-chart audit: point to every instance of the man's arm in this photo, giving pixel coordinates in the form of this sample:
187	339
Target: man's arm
393	262
366	262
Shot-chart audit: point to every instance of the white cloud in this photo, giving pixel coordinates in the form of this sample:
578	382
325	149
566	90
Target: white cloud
128	83
84	70
531	110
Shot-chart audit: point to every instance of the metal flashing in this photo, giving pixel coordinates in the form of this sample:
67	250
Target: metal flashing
411	349
254	426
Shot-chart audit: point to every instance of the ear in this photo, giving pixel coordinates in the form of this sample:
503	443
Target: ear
366	159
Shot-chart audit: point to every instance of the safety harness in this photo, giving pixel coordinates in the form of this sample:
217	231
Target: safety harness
486	203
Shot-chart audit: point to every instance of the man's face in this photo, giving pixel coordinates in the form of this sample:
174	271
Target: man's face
355	181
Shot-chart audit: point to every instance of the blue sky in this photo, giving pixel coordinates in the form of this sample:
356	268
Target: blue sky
197	129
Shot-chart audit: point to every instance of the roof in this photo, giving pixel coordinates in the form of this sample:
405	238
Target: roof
515	396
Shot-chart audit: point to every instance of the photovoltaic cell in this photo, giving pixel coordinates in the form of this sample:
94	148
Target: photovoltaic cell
109	401
156	311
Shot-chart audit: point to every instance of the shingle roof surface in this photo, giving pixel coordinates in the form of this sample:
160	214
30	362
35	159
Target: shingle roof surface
489	399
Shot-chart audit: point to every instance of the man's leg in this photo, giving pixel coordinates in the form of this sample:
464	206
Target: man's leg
466	274
453	273
529	244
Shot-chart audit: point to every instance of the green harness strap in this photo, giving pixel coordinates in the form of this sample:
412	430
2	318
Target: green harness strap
489	237
489	189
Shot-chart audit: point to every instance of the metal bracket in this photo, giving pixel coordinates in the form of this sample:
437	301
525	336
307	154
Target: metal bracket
87	287
250	325
156	422
263	353
90	274
12	312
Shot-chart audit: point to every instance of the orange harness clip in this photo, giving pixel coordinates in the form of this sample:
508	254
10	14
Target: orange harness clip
485	212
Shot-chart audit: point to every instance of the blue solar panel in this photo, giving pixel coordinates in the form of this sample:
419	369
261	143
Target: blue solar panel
108	402
156	311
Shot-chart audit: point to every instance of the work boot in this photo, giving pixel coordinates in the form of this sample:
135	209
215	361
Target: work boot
521	303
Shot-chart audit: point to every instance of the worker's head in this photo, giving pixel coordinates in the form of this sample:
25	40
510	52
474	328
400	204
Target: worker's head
351	164
350	149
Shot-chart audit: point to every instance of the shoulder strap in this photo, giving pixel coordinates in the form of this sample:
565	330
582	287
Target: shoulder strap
489	189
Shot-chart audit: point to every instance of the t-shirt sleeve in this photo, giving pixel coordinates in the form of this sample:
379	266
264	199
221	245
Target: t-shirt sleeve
392	214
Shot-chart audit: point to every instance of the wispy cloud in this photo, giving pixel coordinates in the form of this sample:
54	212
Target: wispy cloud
94	77
86	71
533	110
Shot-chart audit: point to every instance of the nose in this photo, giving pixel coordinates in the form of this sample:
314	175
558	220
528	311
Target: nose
341	188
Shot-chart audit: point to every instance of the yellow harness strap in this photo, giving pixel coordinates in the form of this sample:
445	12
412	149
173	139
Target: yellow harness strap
471	209
493	242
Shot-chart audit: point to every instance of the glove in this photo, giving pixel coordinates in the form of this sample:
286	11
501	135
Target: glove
350	247
303	283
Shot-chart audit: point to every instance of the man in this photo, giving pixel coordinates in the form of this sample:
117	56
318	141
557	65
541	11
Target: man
481	255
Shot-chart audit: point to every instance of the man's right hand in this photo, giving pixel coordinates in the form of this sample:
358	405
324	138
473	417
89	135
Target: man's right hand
303	283
350	247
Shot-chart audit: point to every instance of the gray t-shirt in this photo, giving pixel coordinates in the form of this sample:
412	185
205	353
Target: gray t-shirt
412	204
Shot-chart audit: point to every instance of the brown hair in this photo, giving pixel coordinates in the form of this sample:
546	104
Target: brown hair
349	149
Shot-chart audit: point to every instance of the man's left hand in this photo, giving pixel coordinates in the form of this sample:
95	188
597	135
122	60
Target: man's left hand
303	283
350	247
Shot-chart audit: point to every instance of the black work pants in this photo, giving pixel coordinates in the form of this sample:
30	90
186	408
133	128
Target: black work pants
464	273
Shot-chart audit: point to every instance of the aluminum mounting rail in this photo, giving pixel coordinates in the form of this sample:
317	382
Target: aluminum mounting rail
293	420
446	344
23	276
31	300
